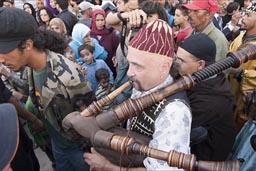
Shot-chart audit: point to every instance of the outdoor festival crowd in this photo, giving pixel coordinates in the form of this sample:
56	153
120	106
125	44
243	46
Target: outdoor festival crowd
62	60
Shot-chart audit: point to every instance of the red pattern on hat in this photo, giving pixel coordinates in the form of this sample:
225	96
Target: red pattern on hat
155	37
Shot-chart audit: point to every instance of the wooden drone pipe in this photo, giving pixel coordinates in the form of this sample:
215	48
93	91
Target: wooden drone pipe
96	107
132	107
128	146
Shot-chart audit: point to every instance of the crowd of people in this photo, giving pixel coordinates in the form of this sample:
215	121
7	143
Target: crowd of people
57	57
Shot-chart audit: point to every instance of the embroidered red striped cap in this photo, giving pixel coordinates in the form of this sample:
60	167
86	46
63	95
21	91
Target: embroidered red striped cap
155	37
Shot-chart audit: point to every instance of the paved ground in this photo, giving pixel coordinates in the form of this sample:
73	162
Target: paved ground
45	163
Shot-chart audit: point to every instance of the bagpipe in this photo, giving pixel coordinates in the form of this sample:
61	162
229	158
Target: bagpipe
102	130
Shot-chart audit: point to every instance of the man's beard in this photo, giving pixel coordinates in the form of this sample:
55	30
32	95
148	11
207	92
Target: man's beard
137	82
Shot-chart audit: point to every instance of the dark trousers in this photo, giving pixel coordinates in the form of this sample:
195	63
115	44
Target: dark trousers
25	158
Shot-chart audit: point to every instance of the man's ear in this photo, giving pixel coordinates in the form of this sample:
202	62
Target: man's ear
28	45
165	67
186	18
201	65
209	15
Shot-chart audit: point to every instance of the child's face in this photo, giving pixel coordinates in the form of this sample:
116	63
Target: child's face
179	17
104	82
69	53
87	56
87	38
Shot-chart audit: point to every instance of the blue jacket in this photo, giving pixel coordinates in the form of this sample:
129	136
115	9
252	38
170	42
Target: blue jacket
79	32
92	68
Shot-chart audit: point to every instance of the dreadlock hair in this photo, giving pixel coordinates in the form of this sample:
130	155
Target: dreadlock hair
48	39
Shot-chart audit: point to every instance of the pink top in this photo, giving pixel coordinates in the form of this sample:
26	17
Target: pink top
182	34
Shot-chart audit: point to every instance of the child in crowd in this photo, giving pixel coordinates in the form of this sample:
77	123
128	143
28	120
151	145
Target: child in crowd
184	27
105	87
69	53
92	65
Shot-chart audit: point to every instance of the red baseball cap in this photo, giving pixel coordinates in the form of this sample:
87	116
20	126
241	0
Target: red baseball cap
209	5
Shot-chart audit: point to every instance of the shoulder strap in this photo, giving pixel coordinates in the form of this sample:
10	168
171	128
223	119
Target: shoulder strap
32	92
123	37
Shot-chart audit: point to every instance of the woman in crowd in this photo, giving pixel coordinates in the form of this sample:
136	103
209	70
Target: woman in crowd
57	25
51	4
29	9
44	17
106	37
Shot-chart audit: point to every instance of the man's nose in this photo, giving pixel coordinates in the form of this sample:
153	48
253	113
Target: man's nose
130	73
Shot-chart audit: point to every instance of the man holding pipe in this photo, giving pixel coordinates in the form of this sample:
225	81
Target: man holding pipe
168	122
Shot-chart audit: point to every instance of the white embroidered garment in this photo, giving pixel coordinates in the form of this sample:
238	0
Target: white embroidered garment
172	129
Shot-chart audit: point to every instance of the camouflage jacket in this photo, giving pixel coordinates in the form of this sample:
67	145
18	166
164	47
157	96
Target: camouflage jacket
64	86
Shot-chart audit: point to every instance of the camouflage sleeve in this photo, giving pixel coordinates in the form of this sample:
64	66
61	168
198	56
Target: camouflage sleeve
70	76
79	89
83	95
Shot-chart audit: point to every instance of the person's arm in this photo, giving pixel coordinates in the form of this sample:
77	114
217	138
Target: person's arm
98	162
134	17
12	80
114	21
4	76
37	125
233	26
5	96
20	83
15	80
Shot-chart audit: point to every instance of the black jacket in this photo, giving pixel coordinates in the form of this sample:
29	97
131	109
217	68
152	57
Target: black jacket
212	104
5	94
